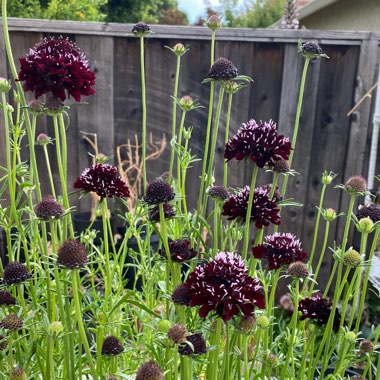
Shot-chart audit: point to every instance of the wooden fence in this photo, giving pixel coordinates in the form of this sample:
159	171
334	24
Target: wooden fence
328	139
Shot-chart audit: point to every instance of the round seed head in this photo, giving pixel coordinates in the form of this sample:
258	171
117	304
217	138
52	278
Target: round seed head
181	295
178	333
352	258
72	254
36	107
246	324
15	273
149	371
298	269
218	193
356	184
366	346
223	69
112	346
281	166
262	322
18	374
11	322
6	299
159	191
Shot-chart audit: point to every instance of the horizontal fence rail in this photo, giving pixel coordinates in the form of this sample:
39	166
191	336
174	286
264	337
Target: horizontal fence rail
328	139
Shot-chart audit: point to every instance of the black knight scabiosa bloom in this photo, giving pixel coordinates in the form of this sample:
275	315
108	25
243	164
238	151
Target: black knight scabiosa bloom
180	251
258	142
140	29
149	371
177	333
197	347
280	249
319	309
159	191
56	65
181	295
72	254
223	69
104	180
218	193
264	210
224	286
371	211
49	208
111	346
6	299
15	273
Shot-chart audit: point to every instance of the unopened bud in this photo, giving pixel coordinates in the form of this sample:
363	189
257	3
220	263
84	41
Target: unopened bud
365	225
5	85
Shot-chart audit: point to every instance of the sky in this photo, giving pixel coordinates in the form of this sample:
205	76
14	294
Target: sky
195	8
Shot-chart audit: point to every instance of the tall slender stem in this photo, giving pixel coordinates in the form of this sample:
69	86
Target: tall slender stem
143	100
226	136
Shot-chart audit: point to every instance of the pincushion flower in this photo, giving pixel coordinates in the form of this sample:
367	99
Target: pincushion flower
104	180
180	251
319	309
57	65
264	210
280	249
258	142
224	286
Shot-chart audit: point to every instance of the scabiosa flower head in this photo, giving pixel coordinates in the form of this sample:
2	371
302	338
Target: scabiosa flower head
186	103
177	333
223	285
258	142
159	191
223	69
180	251
280	249
49	208
72	254
365	225
371	210
262	321
214	22
55	327
181	295
3	343
179	49
104	180
298	269
356	184
150	371
310	47
6	298
18	374
154	213
56	65
43	139
140	29
14	273
36	107
198	345
218	193
264	210
281	165
112	346
318	309
11	322
246	324
366	346
286	303
352	258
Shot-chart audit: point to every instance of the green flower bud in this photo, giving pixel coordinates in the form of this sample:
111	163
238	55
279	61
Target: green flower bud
5	85
164	326
214	22
350	336
186	103
326	178
187	133
365	225
262	322
329	214
10	108
56	327
179	50
352	258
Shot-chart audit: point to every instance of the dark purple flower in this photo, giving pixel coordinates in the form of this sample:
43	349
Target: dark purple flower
104	180
180	251
280	249
112	346
223	69
56	65
371	211
49	208
11	322
356	184
72	254
6	298
15	273
318	309
259	143
154	213
141	28
197	347
149	371
159	191
181	295
310	48
218	193
264	210
223	285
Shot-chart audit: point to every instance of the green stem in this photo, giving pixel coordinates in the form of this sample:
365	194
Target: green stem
47	160
143	100
179	156
213	356
174	115
249	211
226	136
